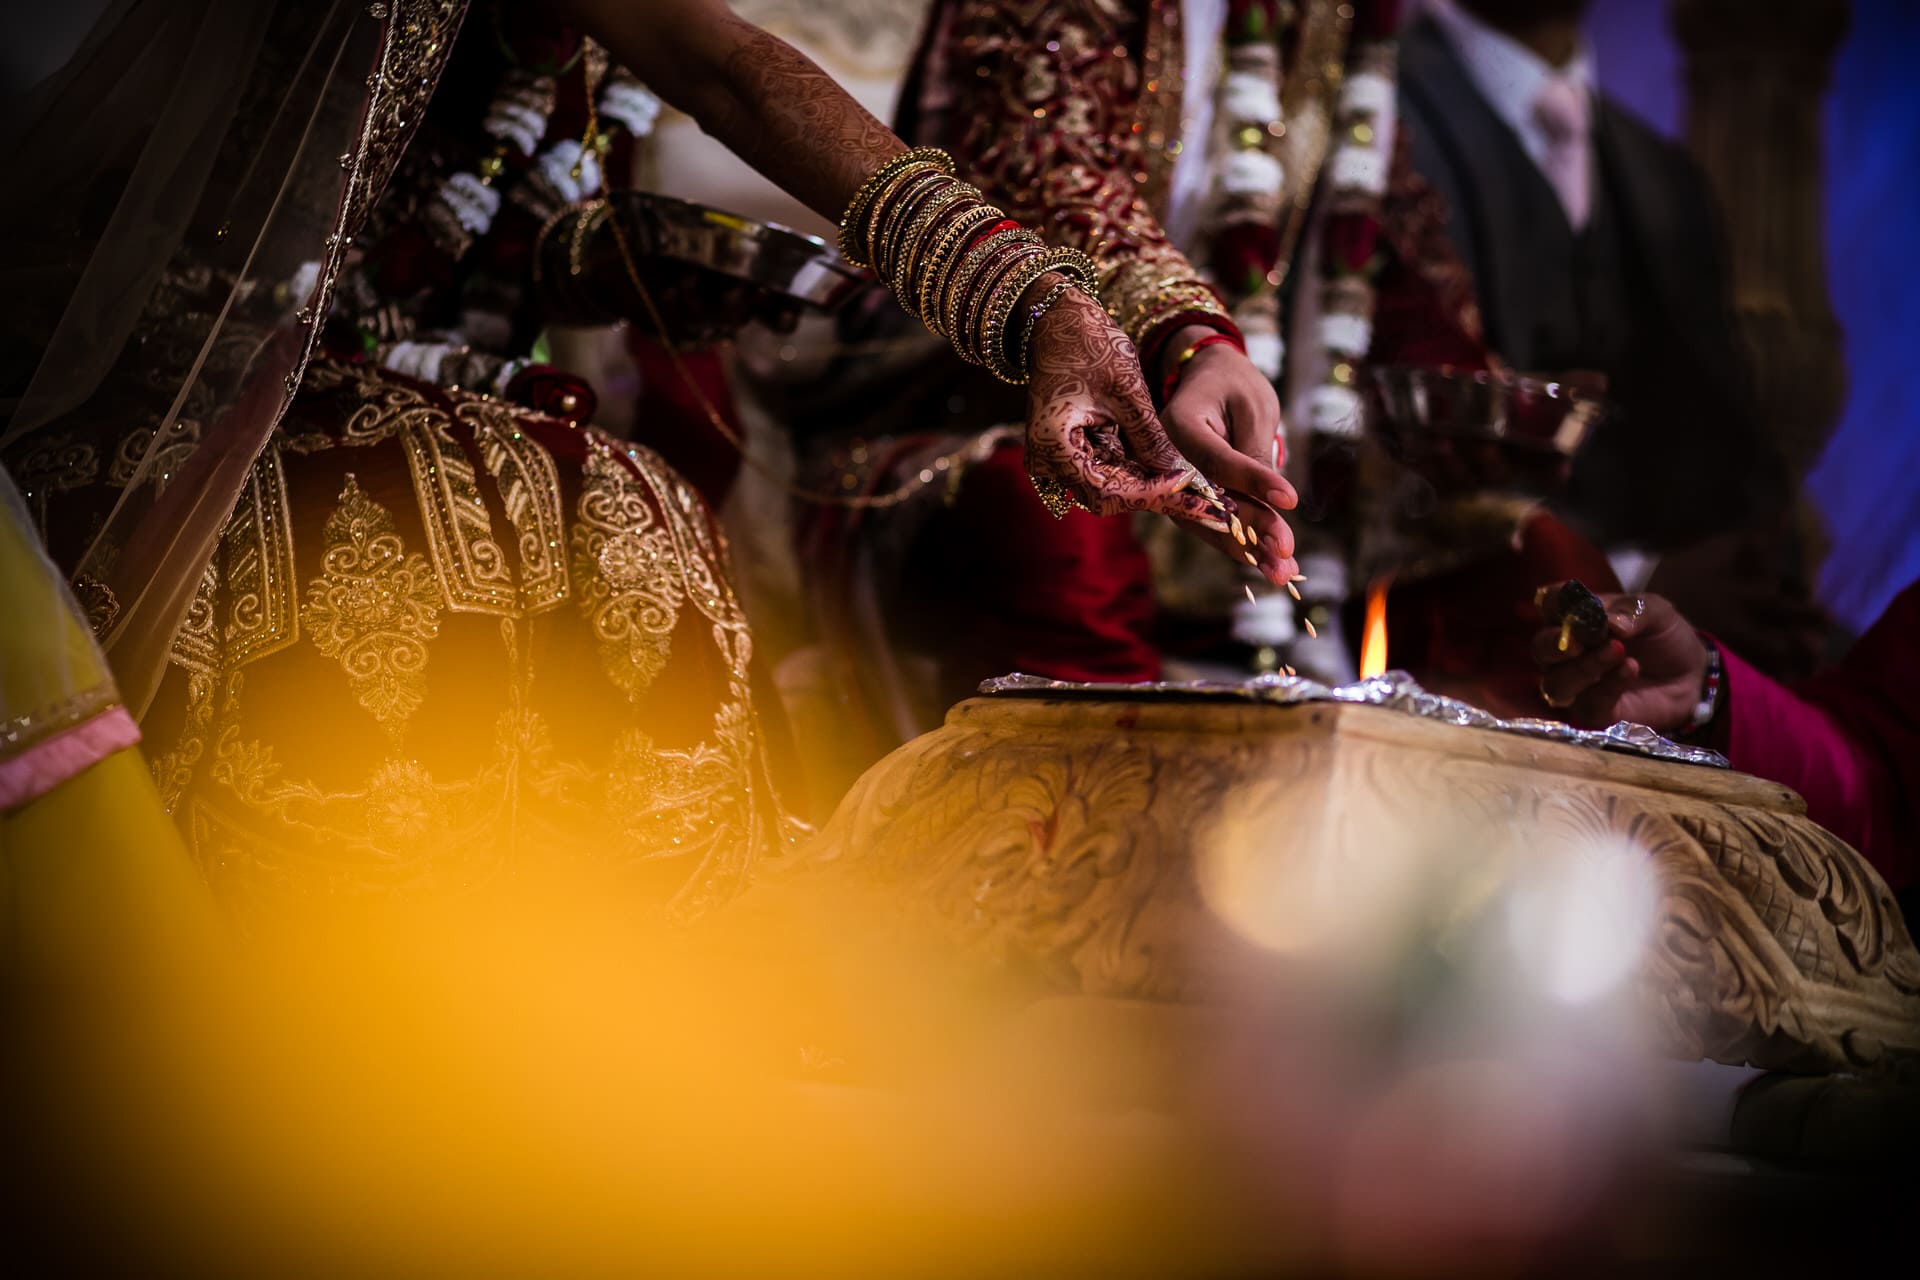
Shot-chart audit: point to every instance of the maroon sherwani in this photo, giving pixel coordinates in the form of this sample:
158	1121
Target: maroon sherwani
1847	739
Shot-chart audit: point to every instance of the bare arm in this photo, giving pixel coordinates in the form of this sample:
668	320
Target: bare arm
757	94
1091	425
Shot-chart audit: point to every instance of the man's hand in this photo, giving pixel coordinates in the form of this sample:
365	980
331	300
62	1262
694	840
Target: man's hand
1649	669
1092	430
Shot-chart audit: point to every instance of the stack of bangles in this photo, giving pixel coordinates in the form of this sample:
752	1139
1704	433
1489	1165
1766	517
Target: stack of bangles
957	263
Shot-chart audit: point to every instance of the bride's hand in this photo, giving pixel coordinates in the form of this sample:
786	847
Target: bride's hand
1224	417
1092	431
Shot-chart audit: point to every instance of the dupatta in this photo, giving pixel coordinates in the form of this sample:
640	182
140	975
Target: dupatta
182	193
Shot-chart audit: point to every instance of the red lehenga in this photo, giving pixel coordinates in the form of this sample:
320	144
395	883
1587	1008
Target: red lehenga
428	635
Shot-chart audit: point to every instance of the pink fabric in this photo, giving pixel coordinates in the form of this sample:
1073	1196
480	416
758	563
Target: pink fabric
1562	109
45	765
1848	739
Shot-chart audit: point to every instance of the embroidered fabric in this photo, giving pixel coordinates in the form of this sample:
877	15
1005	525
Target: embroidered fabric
203	218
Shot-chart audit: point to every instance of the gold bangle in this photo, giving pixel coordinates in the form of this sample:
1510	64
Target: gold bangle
894	209
999	315
933	233
933	156
940	259
1023	356
1182	299
905	253
954	289
1141	333
987	288
1078	271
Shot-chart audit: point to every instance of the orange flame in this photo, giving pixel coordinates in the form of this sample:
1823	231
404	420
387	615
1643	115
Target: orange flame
1373	638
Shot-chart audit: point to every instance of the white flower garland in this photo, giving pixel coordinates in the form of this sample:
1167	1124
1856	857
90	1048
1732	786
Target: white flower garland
1248	179
1364	124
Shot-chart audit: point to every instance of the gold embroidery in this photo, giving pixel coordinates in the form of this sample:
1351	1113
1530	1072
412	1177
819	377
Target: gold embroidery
416	41
529	485
472	565
262	603
695	805
183	437
97	602
173	769
699	552
630	588
59	465
374	608
196	645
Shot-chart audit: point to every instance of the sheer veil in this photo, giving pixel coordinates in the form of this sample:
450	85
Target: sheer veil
180	197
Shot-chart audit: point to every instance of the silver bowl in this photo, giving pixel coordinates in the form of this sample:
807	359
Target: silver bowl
710	272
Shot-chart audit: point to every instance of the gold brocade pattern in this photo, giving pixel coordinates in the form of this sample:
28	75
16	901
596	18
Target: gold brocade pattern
529	487
374	608
196	646
648	763
631	589
475	569
262	612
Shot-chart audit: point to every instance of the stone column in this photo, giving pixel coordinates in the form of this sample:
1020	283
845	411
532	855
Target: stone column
1757	71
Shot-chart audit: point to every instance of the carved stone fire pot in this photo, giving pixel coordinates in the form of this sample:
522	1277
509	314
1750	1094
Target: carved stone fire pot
1139	848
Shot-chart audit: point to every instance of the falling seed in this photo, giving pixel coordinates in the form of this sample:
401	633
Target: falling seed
1239	530
1298	577
1293	591
1566	634
1251	558
1311	633
1290	671
1249	591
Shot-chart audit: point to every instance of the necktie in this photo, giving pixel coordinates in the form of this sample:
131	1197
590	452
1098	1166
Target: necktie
1562	112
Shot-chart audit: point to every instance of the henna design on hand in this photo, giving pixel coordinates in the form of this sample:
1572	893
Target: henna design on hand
1090	421
1091	428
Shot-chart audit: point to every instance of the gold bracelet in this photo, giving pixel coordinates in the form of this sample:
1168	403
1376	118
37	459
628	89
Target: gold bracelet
857	206
1176	300
940	259
1077	268
954	290
907	249
932	233
1024	356
997	311
895	207
1142	331
987	288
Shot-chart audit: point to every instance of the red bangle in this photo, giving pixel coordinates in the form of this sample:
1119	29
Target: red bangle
1155	339
1180	361
1005	224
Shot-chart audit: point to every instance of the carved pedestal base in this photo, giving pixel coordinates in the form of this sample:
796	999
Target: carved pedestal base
1136	848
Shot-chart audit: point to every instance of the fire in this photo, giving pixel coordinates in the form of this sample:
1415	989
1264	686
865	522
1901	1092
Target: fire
1373	638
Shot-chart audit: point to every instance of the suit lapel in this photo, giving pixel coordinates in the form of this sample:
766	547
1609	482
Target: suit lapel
1472	156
